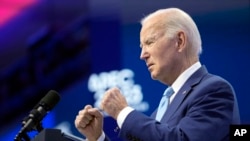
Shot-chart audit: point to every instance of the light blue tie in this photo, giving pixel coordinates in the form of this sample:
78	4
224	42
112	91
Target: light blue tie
164	103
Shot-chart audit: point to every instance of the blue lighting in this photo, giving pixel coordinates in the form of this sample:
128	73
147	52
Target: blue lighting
48	122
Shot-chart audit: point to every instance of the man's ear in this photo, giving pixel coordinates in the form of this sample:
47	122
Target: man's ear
181	41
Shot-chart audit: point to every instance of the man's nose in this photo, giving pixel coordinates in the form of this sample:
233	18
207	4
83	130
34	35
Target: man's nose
143	54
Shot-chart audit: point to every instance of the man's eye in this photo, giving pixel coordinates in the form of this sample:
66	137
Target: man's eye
149	42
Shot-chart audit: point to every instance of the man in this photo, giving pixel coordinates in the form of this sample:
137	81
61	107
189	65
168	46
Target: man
202	105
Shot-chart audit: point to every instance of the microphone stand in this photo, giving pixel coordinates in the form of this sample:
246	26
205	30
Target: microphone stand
22	134
22	137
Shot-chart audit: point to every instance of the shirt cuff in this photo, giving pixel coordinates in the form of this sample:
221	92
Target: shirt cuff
102	137
122	115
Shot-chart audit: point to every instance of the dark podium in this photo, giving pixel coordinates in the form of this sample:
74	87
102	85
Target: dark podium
55	135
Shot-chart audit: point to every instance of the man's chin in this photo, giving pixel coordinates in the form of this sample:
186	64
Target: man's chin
153	76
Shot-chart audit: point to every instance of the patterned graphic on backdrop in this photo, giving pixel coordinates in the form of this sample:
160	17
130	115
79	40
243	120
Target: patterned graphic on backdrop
123	79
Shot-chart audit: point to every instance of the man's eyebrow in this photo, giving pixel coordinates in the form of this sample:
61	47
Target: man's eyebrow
148	39
151	38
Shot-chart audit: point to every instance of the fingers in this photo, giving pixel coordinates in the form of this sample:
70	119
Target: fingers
113	102
94	112
84	117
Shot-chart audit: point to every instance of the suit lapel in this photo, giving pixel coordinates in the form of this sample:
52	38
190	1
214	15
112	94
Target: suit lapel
184	92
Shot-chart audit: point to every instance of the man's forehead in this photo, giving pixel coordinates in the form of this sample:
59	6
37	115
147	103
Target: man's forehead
151	31
148	33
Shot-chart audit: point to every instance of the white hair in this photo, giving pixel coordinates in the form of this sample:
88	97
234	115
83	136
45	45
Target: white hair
179	20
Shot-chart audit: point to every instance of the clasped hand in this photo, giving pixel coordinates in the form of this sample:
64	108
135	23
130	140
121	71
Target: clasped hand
89	120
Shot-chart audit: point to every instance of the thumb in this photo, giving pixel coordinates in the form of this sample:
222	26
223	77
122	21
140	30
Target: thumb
95	112
87	107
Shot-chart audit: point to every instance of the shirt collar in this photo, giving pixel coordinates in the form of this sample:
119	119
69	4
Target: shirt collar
179	82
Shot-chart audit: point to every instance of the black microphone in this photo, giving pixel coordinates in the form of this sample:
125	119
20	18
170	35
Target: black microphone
33	120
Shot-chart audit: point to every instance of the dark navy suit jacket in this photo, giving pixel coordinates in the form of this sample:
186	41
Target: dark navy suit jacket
202	110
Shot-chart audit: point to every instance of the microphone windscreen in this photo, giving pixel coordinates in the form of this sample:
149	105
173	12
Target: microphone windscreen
51	99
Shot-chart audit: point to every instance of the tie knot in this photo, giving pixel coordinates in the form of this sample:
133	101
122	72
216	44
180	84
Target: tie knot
168	92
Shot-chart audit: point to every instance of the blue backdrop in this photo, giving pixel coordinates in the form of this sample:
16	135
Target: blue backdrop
83	48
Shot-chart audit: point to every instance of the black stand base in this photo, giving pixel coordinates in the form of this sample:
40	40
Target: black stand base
55	135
